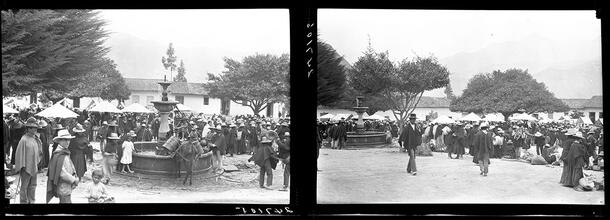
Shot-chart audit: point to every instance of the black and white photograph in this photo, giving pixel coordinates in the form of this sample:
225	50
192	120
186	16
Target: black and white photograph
459	107
146	106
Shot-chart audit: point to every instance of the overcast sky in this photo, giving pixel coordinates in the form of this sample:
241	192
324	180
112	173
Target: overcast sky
444	33
201	37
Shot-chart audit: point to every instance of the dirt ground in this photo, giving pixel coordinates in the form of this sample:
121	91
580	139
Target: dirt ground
230	187
378	175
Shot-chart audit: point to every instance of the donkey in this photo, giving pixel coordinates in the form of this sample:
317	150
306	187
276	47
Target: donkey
187	153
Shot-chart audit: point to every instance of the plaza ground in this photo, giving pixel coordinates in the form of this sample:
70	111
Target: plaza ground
231	187
378	175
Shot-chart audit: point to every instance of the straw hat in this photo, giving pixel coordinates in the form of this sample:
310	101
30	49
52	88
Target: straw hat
287	134
63	134
132	133
31	123
78	128
105	123
571	132
484	125
42	124
579	135
113	136
538	134
143	125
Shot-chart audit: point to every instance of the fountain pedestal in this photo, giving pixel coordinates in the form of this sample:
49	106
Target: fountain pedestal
363	138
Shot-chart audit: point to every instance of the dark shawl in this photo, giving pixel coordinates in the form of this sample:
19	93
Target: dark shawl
55	166
263	153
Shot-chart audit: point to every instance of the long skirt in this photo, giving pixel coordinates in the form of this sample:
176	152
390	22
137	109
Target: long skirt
440	143
458	145
572	172
80	163
241	147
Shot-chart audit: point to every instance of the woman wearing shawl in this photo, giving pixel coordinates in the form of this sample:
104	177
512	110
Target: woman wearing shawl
573	159
77	150
61	173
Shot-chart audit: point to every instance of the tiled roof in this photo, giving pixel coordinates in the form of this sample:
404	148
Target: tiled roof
594	102
137	84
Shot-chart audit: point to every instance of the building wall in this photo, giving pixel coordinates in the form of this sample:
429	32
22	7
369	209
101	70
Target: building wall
592	111
420	112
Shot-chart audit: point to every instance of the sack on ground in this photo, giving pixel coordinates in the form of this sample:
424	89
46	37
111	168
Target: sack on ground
538	160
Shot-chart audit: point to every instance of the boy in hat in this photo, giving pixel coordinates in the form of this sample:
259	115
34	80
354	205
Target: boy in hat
27	158
62	174
411	138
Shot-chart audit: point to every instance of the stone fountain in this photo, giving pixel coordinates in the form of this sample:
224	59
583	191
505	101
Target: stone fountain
147	161
362	138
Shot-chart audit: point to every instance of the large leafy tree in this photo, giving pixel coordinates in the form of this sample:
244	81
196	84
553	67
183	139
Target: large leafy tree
105	82
49	50
180	77
399	87
506	92
169	62
331	75
257	81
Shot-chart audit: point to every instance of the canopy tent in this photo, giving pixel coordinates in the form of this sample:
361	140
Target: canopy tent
339	116
584	120
493	118
8	110
183	108
136	108
326	116
375	117
524	117
443	119
57	111
470	117
105	107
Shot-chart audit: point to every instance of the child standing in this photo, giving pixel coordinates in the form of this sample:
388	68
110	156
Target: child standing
128	148
96	192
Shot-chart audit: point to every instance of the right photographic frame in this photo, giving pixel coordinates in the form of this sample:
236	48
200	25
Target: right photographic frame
459	107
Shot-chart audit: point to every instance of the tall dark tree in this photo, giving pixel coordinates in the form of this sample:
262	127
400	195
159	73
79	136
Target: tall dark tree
169	62
398	88
331	75
506	92
181	76
257	81
49	50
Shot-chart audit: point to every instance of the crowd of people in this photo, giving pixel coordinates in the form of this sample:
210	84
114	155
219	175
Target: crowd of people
62	147
573	146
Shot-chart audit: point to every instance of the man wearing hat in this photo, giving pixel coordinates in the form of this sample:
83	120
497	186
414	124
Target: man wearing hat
44	133
218	146
253	141
539	140
62	174
232	140
483	142
411	138
27	156
242	135
284	155
77	149
266	158
102	134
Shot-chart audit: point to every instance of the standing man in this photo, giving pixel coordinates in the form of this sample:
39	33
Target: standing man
411	138
102	134
341	134
483	143
284	155
27	157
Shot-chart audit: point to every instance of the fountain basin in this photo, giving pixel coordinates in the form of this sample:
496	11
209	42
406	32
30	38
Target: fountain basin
147	162
365	139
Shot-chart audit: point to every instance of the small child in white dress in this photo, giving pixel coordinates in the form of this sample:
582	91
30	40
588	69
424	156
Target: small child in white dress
96	191
128	149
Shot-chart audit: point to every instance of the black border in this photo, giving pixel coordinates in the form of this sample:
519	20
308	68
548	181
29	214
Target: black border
303	91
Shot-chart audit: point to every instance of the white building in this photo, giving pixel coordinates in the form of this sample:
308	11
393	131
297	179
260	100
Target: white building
193	95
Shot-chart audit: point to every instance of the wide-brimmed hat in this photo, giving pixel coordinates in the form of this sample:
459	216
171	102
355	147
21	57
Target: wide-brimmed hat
233	125
242	125
113	136
218	127
287	134
538	134
143	125
484	125
579	135
105	123
31	123
131	133
571	132
284	124
78	128
591	132
63	134
500	131
57	126
265	140
42	124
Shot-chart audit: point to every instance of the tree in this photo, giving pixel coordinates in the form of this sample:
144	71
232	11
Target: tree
256	81
170	61
506	92
181	73
105	82
398	88
449	92
577	114
49	50
331	75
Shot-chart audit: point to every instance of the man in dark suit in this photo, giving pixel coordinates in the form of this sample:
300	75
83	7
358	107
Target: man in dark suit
411	138
483	143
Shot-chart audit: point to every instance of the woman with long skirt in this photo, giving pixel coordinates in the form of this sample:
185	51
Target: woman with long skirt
573	157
